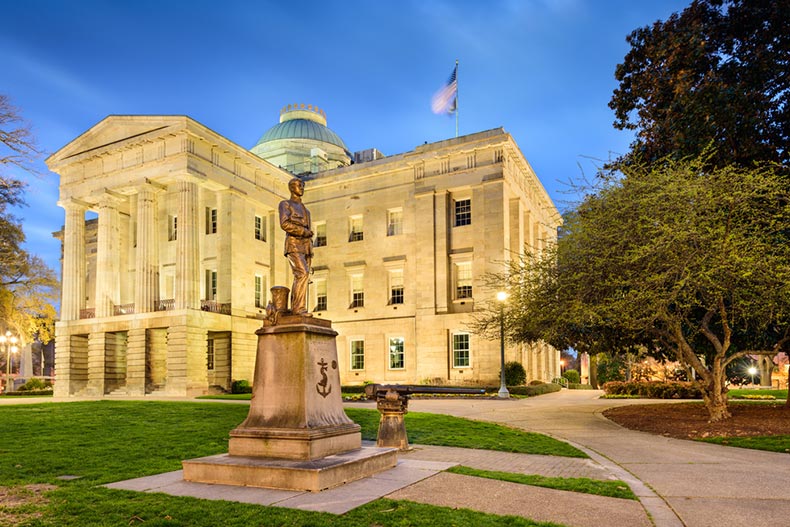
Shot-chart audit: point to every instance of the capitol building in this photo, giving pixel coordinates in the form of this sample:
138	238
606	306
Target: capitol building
171	243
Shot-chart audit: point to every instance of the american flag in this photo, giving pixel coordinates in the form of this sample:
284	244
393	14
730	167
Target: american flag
444	99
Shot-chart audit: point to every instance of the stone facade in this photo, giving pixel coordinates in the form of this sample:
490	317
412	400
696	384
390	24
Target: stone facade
171	243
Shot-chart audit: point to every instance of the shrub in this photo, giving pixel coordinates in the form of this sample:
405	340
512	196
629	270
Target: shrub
572	376
578	386
535	389
515	374
34	384
653	389
356	388
241	386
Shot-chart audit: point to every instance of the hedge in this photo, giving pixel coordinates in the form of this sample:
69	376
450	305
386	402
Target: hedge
654	389
536	389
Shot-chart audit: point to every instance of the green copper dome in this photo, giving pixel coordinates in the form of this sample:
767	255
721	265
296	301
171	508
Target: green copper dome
302	129
302	143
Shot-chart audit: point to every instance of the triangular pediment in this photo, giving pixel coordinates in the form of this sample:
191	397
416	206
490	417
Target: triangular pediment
114	130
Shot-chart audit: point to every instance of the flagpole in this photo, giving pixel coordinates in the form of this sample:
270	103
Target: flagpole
456	98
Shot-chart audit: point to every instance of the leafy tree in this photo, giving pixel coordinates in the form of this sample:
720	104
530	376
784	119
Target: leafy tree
677	260
609	368
715	74
27	286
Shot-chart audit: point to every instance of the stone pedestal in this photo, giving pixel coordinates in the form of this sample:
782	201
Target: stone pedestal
297	435
392	427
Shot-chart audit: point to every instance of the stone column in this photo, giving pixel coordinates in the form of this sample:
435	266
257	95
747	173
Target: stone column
108	277
186	360
73	293
97	359
135	361
187	246
147	255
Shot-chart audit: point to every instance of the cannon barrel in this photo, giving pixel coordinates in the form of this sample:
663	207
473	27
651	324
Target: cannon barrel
373	390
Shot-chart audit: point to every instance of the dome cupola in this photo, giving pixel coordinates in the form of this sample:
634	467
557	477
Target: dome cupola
301	142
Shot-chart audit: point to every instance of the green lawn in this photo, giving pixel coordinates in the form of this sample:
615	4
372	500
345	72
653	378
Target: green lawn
445	430
613	489
738	392
771	443
105	441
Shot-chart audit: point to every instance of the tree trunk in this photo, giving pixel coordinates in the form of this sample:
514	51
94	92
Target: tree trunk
714	393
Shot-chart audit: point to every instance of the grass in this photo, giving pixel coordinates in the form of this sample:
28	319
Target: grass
76	507
738	392
228	396
779	443
106	441
445	430
612	489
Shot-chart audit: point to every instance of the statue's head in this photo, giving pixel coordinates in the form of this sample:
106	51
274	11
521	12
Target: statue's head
296	186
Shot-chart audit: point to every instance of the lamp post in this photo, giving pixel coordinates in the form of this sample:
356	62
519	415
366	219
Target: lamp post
752	370
562	366
9	342
501	296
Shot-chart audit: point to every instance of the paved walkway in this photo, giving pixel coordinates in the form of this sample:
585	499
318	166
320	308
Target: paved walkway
679	482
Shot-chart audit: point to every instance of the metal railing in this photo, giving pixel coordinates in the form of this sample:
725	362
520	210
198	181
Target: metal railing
123	309
214	307
166	304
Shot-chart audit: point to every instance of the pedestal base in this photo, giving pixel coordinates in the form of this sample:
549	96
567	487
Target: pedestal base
297	444
315	475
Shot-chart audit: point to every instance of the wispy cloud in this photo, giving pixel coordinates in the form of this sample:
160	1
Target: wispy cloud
42	69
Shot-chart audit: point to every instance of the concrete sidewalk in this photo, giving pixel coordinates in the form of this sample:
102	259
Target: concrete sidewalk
679	482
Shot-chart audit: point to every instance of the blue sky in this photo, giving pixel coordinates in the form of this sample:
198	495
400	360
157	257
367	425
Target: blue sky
542	69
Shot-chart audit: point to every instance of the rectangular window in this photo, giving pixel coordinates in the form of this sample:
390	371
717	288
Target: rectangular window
320	234
172	228
397	360
396	286
211	284
460	350
210	355
211	220
394	222
355	229
357	291
259	289
357	354
260	228
463	212
463	280
320	294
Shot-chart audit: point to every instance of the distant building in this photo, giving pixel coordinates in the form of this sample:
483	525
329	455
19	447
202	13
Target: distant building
164	289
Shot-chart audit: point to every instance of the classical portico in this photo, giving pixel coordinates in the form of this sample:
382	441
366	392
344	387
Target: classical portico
143	307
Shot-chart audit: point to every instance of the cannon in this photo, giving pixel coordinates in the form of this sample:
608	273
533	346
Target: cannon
392	401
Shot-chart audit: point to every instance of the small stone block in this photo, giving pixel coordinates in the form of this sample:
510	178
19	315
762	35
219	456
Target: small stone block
315	475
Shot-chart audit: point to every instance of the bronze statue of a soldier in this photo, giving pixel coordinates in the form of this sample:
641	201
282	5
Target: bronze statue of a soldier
295	221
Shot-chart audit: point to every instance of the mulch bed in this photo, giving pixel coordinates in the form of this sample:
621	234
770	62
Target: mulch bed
690	420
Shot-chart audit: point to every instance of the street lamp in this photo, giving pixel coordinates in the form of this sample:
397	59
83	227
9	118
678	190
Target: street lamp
9	342
501	296
752	370
562	366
